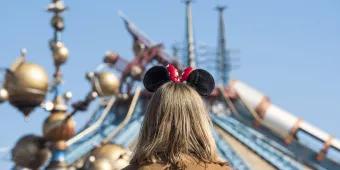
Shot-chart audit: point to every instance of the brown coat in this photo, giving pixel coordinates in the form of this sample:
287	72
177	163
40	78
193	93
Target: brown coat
190	166
156	166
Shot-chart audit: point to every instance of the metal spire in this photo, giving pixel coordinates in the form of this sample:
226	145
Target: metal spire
175	50
223	63
190	48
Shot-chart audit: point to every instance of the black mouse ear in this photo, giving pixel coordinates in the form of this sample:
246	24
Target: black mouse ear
155	77
202	81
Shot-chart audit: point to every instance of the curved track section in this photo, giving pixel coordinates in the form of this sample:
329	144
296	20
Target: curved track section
95	134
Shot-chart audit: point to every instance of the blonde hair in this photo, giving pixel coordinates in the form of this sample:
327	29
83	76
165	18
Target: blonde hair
176	124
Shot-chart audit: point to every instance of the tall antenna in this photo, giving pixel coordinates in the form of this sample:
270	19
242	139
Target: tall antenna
223	60
190	48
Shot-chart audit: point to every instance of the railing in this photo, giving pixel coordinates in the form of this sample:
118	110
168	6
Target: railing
256	142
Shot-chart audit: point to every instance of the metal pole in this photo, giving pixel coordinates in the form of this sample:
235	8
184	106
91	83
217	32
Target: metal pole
223	63
190	46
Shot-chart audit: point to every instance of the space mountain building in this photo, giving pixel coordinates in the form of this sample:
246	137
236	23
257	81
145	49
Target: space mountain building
250	131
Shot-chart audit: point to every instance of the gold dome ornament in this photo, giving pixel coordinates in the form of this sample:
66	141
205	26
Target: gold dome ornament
27	85
117	157
30	152
57	23
99	164
111	58
136	72
56	128
104	83
60	53
3	95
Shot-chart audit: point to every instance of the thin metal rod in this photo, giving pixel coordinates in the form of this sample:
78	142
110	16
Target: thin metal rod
189	36
223	63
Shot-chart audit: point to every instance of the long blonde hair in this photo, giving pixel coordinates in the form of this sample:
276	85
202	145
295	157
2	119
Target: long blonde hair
176	124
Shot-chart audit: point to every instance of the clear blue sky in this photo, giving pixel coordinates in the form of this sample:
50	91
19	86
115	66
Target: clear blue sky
288	49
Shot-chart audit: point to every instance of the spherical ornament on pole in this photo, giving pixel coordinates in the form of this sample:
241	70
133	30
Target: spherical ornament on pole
111	57
3	95
27	86
67	96
30	151
105	83
56	128
136	72
57	23
60	53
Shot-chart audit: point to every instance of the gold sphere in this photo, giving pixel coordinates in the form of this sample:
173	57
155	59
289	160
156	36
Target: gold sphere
111	57
136	72
56	129
117	156
109	151
30	152
3	95
106	84
27	86
99	164
60	53
57	23
67	95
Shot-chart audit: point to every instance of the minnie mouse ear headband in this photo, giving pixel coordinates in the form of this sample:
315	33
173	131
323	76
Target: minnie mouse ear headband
199	79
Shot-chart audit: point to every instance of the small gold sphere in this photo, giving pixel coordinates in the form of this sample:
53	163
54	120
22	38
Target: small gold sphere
111	57
68	95
27	86
55	127
136	72
3	95
106	84
60	53
57	23
117	156
30	152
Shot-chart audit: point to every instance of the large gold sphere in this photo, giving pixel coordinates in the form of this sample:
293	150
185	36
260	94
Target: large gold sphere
30	152
3	95
27	86
110	151
99	164
106	84
117	156
60	53
56	129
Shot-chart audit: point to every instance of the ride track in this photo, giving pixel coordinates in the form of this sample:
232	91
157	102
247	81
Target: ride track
119	121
